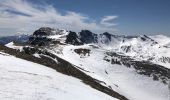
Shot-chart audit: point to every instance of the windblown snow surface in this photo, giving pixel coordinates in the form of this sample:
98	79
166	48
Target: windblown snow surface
24	80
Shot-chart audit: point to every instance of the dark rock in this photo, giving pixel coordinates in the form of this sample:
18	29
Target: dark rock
44	31
108	35
73	39
143	39
88	37
126	48
39	41
82	51
39	37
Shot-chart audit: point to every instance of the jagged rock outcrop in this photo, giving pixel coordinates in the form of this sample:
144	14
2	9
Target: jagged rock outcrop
108	35
72	38
44	31
87	36
40	36
39	41
82	51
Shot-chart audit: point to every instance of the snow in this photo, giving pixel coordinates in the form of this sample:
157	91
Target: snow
141	49
57	36
161	39
122	79
13	46
61	37
24	80
36	55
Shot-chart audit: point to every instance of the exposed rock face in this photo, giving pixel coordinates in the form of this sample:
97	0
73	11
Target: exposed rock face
165	59
83	51
39	41
108	35
40	36
88	37
44	31
84	37
146	38
105	38
73	39
126	48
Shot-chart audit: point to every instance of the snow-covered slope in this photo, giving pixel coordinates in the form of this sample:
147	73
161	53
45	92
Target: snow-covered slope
24	80
149	48
120	78
14	46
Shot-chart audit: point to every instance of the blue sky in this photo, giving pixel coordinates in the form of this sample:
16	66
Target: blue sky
130	17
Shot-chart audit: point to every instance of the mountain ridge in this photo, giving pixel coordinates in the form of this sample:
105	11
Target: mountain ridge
123	64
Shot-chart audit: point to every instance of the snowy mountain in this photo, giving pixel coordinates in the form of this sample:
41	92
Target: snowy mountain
17	38
118	66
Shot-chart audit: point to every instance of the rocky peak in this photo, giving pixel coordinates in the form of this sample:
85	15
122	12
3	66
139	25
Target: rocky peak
39	37
87	36
44	31
72	38
108	35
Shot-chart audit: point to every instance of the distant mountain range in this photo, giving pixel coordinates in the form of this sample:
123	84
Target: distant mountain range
17	38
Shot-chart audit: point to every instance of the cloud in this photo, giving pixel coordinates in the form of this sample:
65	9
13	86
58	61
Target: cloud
23	16
108	21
